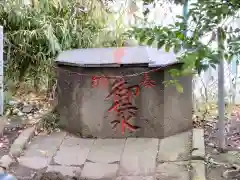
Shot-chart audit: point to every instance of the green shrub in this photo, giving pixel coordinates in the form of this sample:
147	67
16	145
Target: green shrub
35	34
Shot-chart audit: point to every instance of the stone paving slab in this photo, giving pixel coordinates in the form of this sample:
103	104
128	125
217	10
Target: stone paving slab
45	145
41	150
198	170
111	159
99	171
139	157
73	151
106	150
175	148
34	162
172	171
198	144
21	141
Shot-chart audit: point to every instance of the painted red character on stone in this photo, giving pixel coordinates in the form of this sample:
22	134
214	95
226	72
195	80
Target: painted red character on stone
99	81
122	104
147	82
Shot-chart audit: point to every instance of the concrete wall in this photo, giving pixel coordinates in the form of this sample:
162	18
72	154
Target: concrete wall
83	109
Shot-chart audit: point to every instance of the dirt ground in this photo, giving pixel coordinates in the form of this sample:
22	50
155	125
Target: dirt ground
223	166
20	113
9	135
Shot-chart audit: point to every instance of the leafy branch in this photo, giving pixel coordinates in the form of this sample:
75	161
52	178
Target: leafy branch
204	17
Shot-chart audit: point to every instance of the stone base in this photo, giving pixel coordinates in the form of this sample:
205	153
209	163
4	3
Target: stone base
84	110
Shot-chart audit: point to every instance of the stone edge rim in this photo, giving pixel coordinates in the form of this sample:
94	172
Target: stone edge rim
198	170
4	166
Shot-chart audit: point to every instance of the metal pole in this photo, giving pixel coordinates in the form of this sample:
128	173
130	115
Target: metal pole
1	72
221	103
235	70
185	14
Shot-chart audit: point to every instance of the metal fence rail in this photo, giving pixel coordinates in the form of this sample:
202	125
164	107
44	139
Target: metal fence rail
1	72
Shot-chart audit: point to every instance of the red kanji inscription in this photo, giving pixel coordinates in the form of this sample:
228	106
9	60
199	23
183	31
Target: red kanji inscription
147	82
122	104
99	80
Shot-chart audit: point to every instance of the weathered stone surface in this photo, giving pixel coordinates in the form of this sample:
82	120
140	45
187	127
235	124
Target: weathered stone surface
41	150
65	170
198	143
139	157
172	171
45	145
177	106
198	170
135	178
6	161
175	148
161	111
34	162
106	150
99	171
21	141
73	151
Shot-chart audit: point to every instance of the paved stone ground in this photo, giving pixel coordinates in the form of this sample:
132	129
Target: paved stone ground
108	159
